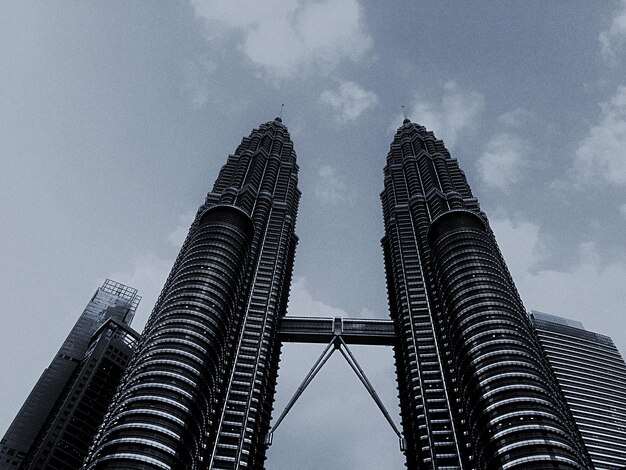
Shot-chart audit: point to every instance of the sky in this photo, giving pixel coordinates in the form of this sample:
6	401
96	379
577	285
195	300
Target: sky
115	118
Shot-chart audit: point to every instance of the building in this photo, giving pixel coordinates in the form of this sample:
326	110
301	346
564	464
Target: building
77	386
199	391
592	374
475	388
83	404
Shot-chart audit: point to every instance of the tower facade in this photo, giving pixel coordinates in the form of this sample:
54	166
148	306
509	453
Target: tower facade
68	433
475	388
113	302
592	374
198	393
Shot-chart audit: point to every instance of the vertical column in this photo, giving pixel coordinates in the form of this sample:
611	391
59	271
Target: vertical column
412	193
270	192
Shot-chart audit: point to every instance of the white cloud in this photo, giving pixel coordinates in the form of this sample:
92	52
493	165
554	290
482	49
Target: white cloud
178	235
196	84
331	187
302	303
349	101
613	38
456	113
515	118
622	209
288	38
519	242
602	152
588	290
148	275
502	162
149	271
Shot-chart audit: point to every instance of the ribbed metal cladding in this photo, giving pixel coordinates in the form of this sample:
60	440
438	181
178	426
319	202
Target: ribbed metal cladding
475	388
162	414
409	199
270	188
198	393
503	382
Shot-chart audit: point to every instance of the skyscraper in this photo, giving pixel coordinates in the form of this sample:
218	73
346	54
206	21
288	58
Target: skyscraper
476	390
77	368
68	433
198	393
592	374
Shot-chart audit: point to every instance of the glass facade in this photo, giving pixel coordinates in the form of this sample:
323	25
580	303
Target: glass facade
112	301
475	388
198	393
79	412
592	374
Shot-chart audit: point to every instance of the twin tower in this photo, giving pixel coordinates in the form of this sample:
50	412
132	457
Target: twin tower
476	391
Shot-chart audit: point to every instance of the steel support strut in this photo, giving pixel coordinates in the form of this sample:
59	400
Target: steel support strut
340	344
354	364
307	380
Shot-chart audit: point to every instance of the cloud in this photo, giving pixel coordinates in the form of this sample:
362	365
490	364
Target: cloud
455	114
177	236
515	118
196	84
519	242
622	209
602	152
588	290
289	38
501	163
613	38
331	188
149	271
147	275
349	101
302	304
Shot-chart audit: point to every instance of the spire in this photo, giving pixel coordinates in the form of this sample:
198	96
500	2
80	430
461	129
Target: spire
279	118
406	119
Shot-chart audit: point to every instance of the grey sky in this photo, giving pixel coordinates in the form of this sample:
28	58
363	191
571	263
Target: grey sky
116	117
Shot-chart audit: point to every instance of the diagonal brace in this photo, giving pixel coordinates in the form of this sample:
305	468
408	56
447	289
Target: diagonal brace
337	342
319	363
351	360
